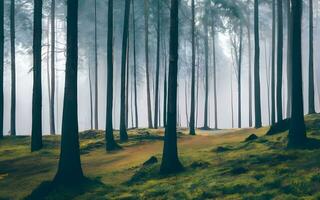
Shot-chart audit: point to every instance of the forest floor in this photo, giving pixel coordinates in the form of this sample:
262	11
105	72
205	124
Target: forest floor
218	165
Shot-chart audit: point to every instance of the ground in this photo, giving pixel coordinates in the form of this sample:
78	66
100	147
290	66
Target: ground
218	165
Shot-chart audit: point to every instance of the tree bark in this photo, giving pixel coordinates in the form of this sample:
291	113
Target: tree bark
206	49
250	67
279	61
156	104
53	70
311	67
273	64
297	131
257	94
289	64
1	66
96	120
239	77
13	69
214	77
170	161
36	133
135	67
69	169
123	131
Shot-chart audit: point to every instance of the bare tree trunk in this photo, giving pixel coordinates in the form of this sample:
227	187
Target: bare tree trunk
206	48
53	71
91	96
135	66
1	66
96	118
273	63
156	105
214	78
311	67
250	66
193	66
127	81
289	64
279	61
239	76
13	69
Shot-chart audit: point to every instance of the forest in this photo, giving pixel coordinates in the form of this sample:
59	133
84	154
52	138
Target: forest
160	99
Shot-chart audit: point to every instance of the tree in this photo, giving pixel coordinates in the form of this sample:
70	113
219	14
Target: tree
123	131
146	24
69	169
156	100
214	74
53	70
193	65
279	61
170	161
206	52
96	100
257	94
13	69
135	66
250	66
311	70
273	103
36	133
289	64
110	142
297	131
1	65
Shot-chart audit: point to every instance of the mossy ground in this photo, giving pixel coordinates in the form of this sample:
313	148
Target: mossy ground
259	169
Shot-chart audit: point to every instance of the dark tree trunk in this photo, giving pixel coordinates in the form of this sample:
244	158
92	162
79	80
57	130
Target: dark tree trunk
239	77
279	61
13	69
1	65
135	67
193	65
110	142
170	161
36	133
53	70
90	94
96	125
69	170
289	64
127	78
273	64
206	49
257	94
123	131
165	88
250	67
311	68
214	78
156	104
297	132
146	18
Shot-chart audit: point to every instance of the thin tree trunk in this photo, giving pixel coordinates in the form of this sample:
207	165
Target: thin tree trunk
53	71
198	78
69	169
36	133
257	94
239	77
289	64
135	66
165	87
1	66
206	49
193	66
91	96
267	79
127	80
146	17
214	79
170	161
13	69
156	105
297	132
186	102
96	119
311	67
273	64
123	131
279	61
110	142
250	67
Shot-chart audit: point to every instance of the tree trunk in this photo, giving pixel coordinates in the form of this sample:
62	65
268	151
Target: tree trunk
1	66
69	169
13	69
273	64
96	125
239	77
170	161
110	142
53	70
297	132
257	94
90	94
250	67
146	18
127	79
279	61
206	49
135	67
165	87
156	105
123	131
36	133
214	78
289	64
311	67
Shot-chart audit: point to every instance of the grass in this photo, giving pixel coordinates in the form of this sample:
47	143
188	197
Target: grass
219	165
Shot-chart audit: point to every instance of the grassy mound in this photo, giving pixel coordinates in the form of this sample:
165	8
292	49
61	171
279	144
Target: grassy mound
218	165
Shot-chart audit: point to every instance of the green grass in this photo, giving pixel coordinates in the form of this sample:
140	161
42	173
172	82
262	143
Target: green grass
256	170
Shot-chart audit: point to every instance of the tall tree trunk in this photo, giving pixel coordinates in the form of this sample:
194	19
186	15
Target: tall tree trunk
297	132
90	95
13	68
127	79
170	161
267	65
250	66
165	87
257	94
239	76
146	18
289	64
69	169
193	66
279	61
96	117
214	78
156	104
198	80
206	49
273	64
110	142
135	67
1	65
231	99
311	68
123	131
53	70
36	133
